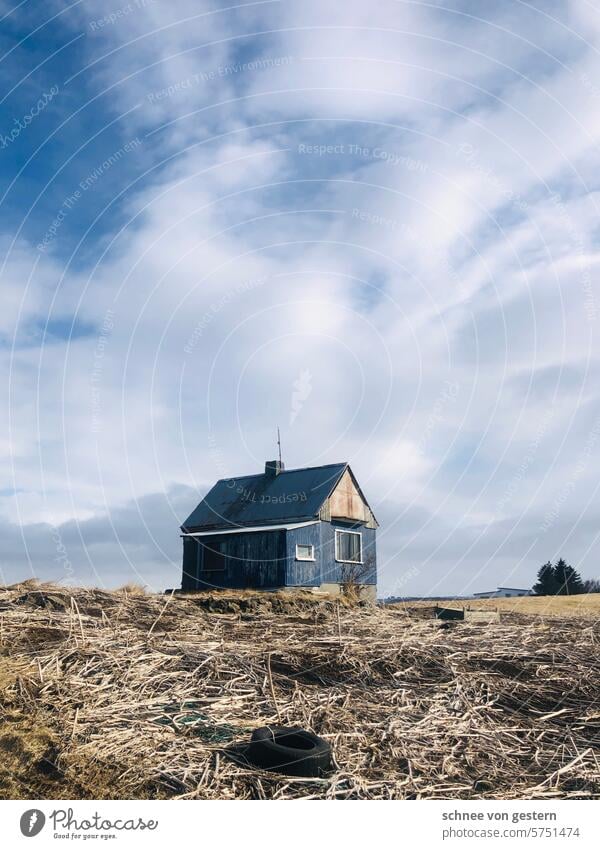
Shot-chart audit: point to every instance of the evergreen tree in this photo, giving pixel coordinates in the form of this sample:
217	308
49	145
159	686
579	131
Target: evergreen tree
568	581
546	581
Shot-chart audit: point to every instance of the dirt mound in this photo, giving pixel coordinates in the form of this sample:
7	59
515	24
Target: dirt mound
256	603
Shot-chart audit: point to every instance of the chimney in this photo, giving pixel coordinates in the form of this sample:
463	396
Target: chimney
273	468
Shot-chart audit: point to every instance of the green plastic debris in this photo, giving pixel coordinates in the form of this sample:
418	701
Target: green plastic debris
186	717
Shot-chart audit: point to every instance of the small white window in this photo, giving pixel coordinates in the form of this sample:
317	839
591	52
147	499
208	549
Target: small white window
305	552
348	547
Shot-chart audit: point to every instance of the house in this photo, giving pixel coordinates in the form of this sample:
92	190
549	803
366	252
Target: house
301	528
503	592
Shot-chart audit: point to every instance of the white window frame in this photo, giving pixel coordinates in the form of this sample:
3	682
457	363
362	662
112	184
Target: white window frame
310	559
338	558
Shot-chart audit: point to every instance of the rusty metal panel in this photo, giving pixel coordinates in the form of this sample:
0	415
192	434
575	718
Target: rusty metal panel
347	502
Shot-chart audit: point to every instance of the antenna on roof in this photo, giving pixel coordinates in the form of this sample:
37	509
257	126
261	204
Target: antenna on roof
279	444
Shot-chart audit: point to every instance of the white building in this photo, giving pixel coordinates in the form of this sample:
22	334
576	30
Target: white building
503	592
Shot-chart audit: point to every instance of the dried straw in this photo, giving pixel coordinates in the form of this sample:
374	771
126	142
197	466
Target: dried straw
124	695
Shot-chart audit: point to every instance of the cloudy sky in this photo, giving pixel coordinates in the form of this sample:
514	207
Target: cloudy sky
374	224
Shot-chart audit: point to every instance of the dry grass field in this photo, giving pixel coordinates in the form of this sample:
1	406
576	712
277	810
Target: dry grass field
128	695
587	605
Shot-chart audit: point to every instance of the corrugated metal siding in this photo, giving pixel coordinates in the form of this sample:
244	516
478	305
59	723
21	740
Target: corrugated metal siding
253	560
303	573
331	570
268	558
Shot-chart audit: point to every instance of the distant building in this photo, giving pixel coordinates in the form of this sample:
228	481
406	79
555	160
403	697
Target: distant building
503	592
303	528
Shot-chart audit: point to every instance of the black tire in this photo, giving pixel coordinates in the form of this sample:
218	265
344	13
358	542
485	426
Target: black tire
292	751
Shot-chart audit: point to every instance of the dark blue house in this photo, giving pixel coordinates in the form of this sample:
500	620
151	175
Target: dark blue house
310	528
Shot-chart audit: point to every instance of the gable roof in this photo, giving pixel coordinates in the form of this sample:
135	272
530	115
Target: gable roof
294	495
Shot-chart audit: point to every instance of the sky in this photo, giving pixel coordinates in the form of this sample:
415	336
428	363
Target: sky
372	224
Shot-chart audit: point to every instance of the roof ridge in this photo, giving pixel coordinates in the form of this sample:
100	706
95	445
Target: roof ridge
256	498
284	472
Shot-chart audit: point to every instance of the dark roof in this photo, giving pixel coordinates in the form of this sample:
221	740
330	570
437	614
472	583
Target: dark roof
291	496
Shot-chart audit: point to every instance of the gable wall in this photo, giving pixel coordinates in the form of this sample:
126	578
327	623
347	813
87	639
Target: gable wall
346	502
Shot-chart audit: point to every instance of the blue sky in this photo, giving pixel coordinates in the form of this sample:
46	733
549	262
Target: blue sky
372	224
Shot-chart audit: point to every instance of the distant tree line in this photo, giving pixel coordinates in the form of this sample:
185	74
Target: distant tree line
562	579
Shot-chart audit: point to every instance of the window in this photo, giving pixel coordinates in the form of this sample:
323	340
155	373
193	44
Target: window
305	552
348	546
213	559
